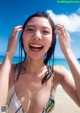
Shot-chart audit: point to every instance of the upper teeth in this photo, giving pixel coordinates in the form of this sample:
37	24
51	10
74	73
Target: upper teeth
34	45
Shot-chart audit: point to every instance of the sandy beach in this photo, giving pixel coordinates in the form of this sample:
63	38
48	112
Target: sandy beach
64	104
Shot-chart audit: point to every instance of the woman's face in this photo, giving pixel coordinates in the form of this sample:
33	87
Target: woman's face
37	37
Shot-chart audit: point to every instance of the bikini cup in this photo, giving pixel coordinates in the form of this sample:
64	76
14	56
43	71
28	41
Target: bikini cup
51	102
50	105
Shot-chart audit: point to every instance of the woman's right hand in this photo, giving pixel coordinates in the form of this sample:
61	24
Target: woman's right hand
12	44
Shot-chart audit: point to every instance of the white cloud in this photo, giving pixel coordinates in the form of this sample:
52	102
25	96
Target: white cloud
71	22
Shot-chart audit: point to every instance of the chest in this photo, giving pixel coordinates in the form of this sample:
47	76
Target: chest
32	94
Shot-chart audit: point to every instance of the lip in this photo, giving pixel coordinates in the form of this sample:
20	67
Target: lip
35	47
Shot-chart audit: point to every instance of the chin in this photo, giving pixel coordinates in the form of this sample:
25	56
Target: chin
36	57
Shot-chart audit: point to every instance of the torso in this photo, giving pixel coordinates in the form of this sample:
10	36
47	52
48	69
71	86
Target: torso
32	94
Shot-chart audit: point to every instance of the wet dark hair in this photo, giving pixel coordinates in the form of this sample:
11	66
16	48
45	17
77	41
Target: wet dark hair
50	53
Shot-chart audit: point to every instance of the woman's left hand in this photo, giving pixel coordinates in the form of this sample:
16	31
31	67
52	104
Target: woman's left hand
64	38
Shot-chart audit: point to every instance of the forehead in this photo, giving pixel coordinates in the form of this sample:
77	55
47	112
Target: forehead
41	21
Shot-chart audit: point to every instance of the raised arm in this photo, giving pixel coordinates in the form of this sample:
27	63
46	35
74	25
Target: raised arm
64	40
5	67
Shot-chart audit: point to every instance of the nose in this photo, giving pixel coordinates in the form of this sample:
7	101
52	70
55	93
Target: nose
37	35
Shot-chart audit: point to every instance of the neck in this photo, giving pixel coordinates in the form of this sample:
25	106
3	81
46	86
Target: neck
34	66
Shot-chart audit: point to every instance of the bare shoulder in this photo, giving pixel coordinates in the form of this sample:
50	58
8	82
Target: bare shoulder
63	76
60	73
60	70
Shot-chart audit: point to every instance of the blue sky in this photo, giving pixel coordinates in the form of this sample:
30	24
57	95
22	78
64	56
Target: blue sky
15	12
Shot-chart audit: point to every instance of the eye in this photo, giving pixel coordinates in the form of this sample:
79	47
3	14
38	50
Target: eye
29	29
45	32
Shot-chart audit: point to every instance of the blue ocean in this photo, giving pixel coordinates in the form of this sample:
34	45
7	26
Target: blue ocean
57	61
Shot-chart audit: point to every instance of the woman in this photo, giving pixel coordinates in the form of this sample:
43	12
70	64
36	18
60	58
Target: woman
29	85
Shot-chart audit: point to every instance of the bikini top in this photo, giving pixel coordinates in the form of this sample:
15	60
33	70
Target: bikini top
14	105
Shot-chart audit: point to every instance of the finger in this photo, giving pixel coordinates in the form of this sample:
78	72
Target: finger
61	28
16	30
19	27
58	33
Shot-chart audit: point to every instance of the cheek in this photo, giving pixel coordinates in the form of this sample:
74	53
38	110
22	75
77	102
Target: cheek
25	38
25	41
48	41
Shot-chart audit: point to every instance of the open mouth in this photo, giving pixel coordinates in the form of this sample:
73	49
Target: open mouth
36	47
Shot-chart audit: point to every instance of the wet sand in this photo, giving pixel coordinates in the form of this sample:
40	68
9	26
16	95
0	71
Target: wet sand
64	104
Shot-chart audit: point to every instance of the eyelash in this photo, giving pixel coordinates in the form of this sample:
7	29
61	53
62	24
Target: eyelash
45	31
29	29
32	30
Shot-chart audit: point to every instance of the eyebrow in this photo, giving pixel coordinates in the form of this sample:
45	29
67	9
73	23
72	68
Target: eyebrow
29	26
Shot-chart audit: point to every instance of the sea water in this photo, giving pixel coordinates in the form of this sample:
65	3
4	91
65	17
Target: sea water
57	61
